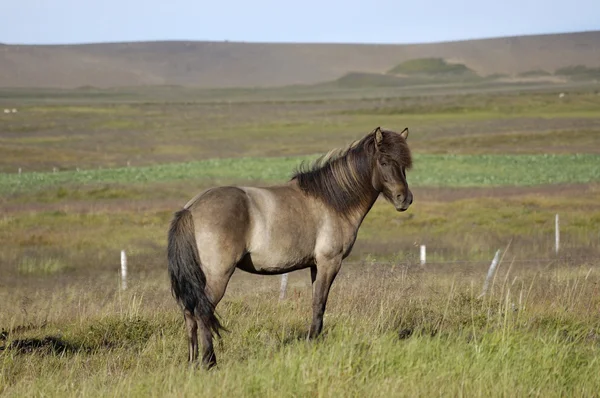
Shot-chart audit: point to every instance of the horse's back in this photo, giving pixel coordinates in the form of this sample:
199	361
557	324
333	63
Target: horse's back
222	207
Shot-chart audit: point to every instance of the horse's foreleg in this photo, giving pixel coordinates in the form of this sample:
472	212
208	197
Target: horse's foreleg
322	277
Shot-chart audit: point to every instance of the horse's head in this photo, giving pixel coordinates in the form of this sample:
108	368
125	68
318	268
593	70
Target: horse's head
392	159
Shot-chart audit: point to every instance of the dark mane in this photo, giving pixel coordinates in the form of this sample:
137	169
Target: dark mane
342	178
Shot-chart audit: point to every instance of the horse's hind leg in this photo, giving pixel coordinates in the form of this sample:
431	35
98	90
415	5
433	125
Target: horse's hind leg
191	325
215	289
209	359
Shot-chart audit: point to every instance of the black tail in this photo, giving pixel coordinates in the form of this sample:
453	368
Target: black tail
187	279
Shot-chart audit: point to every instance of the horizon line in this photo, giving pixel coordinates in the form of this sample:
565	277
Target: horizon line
299	42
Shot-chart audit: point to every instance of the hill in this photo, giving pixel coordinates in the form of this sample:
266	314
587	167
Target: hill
235	64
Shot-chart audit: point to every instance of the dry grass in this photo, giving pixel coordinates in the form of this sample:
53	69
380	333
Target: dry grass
85	229
389	329
69	135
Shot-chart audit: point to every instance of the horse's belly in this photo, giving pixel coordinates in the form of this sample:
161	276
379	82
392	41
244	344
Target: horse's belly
275	261
282	235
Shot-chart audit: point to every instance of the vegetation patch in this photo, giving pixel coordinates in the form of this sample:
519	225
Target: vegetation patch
430	170
41	266
363	79
579	72
431	66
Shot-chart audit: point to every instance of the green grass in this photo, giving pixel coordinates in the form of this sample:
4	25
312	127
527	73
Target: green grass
504	170
430	170
388	332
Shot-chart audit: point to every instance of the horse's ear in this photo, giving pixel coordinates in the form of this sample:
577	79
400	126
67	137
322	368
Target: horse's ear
378	137
404	133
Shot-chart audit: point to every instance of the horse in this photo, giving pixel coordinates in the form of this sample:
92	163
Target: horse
310	221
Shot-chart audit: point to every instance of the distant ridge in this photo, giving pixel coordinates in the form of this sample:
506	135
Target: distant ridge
245	64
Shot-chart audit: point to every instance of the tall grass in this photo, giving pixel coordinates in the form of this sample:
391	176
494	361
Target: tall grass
389	331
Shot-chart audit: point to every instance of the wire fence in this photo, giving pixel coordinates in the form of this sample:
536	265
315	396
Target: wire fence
560	256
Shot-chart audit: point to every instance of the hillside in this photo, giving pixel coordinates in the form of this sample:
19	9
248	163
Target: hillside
234	64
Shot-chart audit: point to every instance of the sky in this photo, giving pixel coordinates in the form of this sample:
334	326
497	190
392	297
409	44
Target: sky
337	21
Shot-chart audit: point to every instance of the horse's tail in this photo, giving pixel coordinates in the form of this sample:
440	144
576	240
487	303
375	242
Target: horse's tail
187	278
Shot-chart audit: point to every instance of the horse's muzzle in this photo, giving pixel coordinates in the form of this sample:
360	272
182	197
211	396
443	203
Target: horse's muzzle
402	203
401	208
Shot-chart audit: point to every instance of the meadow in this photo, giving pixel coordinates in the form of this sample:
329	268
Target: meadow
103	170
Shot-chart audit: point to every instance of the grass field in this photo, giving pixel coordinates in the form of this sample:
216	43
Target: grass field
492	169
390	331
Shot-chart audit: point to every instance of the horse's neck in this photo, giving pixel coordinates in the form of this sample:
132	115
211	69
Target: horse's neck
358	215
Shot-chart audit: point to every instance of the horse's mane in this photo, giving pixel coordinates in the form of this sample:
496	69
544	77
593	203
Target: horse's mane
342	177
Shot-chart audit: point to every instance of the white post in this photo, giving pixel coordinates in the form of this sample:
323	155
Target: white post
490	273
123	270
556	234
423	254
20	170
283	288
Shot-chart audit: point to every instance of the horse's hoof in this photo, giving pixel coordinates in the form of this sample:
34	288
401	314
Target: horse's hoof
209	365
209	361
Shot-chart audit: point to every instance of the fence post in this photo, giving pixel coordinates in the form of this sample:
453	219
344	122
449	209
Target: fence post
123	270
283	287
490	273
556	234
423	254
